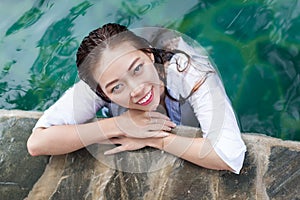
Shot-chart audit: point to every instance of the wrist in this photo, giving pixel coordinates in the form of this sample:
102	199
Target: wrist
109	128
157	143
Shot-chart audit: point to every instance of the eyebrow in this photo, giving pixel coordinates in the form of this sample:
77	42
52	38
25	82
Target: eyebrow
133	63
130	67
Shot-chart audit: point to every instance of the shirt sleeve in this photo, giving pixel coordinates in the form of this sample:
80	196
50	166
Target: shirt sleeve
218	122
209	103
77	105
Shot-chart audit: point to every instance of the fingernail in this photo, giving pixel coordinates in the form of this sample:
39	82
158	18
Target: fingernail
174	125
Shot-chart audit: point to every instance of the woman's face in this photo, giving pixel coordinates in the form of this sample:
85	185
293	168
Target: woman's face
128	77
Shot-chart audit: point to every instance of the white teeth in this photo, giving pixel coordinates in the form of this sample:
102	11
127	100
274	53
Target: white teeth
146	98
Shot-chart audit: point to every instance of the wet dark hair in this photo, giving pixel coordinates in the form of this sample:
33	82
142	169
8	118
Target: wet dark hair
108	36
86	66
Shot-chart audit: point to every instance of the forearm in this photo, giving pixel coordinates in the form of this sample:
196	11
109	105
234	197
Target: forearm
68	138
196	150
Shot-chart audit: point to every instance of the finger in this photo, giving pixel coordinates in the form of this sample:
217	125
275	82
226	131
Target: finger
116	141
163	122
161	125
115	150
169	124
149	134
157	115
166	128
158	134
111	141
105	142
158	127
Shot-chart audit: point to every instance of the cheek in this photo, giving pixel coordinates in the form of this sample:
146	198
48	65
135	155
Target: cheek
152	75
121	99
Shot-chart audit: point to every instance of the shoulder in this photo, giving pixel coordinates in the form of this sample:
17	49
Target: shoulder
184	73
78	98
84	91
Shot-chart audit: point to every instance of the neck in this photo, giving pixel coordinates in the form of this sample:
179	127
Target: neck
162	105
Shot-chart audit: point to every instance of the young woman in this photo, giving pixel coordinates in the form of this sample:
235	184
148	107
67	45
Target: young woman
122	72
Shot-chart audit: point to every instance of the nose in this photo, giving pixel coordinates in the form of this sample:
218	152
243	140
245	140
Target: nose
137	90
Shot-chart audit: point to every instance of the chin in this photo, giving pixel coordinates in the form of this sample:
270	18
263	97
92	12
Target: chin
154	104
146	108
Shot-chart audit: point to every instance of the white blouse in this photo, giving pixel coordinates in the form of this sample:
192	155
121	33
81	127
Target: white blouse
208	107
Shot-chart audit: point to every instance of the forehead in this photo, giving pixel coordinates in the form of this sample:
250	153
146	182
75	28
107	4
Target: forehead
111	55
113	58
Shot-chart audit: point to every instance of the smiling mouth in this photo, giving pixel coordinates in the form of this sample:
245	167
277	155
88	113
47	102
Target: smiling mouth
146	99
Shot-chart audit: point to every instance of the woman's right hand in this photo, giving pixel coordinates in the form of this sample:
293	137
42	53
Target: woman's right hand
143	124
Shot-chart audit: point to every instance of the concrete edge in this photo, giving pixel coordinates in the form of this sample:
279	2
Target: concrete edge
20	114
271	141
251	137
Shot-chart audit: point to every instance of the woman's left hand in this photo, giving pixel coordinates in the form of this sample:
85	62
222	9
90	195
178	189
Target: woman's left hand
128	144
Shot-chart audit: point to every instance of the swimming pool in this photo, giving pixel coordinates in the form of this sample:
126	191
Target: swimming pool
254	43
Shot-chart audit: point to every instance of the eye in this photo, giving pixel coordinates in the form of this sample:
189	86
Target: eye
138	68
117	88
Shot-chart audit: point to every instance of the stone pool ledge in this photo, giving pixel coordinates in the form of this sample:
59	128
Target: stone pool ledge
271	171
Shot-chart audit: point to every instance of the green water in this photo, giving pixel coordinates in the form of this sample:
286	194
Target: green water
254	43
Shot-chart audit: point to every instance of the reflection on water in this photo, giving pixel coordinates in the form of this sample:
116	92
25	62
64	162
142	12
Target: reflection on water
56	50
255	45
